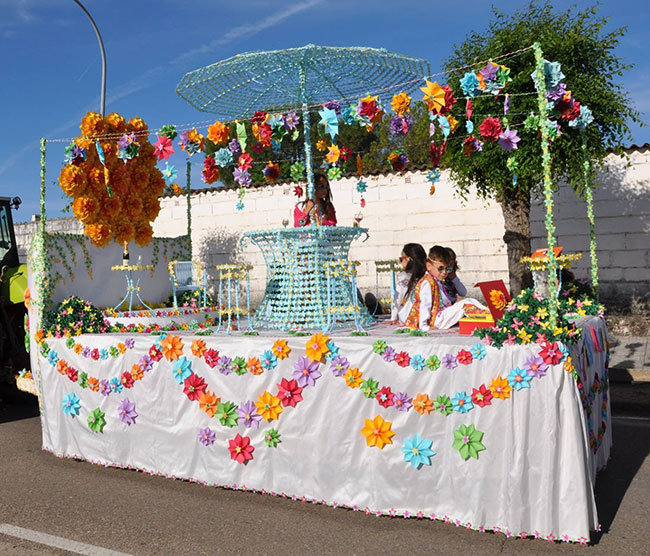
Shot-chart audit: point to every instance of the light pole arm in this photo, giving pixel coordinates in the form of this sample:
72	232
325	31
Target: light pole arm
101	47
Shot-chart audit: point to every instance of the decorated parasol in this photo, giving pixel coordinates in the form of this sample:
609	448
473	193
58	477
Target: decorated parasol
297	79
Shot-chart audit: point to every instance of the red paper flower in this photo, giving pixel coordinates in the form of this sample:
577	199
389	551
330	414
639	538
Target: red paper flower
72	373
258	147
289	393
481	396
345	153
211	357
403	359
244	162
127	379
259	117
385	397
573	112
450	100
464	357
194	385
550	353
240	449
155	353
210	172
297	191
491	129
94	354
436	153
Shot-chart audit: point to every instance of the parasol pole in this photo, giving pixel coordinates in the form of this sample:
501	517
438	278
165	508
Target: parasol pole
103	53
306	129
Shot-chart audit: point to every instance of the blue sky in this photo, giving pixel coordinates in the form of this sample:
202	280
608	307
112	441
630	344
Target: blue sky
50	67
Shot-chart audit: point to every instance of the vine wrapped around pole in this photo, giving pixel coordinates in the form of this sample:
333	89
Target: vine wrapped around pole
589	197
542	102
188	172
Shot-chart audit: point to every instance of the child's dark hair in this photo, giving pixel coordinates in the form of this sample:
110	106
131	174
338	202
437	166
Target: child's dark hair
321	177
452	254
439	253
417	264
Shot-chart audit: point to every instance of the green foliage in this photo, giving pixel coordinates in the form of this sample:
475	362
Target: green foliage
76	316
191	298
578	40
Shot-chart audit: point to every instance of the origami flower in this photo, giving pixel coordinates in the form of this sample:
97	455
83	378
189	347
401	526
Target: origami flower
194	385
163	148
181	369
334	173
248	416
353	377
417	451
297	171
268	406
281	349
402	401
306	372
218	133
417	362
469	85
339	365
370	387
116	385
378	432
169	131
172	347
389	354
329	119
552	74
432	363
403	359
400	125
478	351
272	438
207	436
462	403
254	366
244	162
333	154
398	160
423	404
508	140
234	146
104	387
71	405
443	404
208	402
472	145
227	414
269	361
289	393
500	388
96	420
481	396
464	357
401	103
126	411
239	366
210	173
385	397
223	157
291	121
434	96
240	449
333	351
271	172
551	354
127	379
449	361
491	128
519	378
583	120
467	440
316	347
224	364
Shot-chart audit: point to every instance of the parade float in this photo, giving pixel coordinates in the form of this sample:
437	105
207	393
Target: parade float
308	397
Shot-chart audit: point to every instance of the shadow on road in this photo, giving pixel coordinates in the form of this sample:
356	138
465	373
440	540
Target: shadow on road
16	405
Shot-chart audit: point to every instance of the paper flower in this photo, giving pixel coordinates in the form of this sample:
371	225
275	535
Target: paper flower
402	401
508	140
191	141
240	448
377	432
208	402
128	147
469	85
242	177
400	125
272	438
329	120
434	96
467	440
194	385
268	406
333	154
449	361
353	377
169	131
385	397
535	366
500	388
481	396
401	103
464	357
223	157
333	105
163	148
248	416
96	420
281	349
126	411
334	173
169	174
339	366
519	378
239	366
289	393
491	129
306	372
417	362
462	403
172	347
227	414
472	145
71	405
210	173
417	451
478	351
423	404
181	369
207	436
291	121
370	387
551	354
369	110
583	120
398	160
271	172
552	74
297	171
443	404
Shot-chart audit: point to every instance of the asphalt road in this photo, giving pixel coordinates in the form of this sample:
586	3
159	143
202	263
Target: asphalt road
133	513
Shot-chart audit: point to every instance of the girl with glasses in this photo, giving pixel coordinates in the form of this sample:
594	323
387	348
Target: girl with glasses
455	289
413	262
320	209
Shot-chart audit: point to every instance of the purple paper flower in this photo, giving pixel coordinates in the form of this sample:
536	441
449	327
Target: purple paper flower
207	436
333	105
291	121
506	105
402	402
400	125
242	177
85	352
127	412
389	354
248	415
146	363
125	140
489	72
508	140
556	94
78	154
129	343
306	372
449	361
339	366
234	146
535	366
224	365
104	387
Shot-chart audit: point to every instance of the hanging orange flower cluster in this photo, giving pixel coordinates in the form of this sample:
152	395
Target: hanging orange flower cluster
114	198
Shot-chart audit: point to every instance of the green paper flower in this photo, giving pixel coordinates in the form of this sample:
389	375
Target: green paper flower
467	440
433	363
83	380
113	351
443	404
45	349
69	343
379	347
334	173
96	420
531	123
272	438
239	366
370	388
297	171
227	414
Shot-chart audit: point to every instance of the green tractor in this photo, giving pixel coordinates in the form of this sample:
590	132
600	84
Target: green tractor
13	284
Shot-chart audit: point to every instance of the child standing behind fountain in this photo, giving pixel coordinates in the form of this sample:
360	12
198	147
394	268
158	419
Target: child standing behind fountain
413	261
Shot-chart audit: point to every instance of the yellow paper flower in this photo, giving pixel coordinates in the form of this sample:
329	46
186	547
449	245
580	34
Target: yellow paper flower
434	96
172	347
268	406
321	145
218	133
198	348
524	336
353	377
73	180
378	432
77	348
333	154
92	124
281	349
316	347
498	299
568	364
500	388
401	103
453	123
99	234
85	209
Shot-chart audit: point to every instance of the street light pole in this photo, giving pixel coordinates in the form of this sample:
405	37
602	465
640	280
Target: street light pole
101	47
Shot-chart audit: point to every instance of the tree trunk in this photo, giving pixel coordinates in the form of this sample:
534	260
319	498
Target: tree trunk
516	216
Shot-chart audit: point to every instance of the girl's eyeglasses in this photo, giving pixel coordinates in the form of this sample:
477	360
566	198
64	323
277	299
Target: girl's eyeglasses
448	269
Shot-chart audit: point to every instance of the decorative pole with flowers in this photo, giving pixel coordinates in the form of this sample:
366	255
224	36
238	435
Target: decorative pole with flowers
188	173
306	129
589	198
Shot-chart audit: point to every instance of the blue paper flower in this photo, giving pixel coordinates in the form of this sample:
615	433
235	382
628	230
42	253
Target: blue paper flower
417	362
469	84
444	126
169	173
71	404
433	176
349	115
181	369
333	352
239	205
552	74
329	119
519	378
116	385
269	360
223	157
469	126
103	354
478	351
53	357
564	351
462	402
362	186
417	451
583	120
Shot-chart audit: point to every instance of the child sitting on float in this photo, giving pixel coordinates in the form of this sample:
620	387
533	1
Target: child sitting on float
455	289
320	210
413	261
432	308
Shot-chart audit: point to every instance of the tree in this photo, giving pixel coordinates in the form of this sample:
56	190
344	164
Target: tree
578	40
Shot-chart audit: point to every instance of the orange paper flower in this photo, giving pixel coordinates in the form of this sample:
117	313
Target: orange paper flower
317	347
172	347
353	377
218	133
423	404
268	406
198	348
500	388
401	103
281	349
93	384
136	372
208	402
378	432
254	366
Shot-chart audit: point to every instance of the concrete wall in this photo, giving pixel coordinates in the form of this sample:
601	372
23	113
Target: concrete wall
399	210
